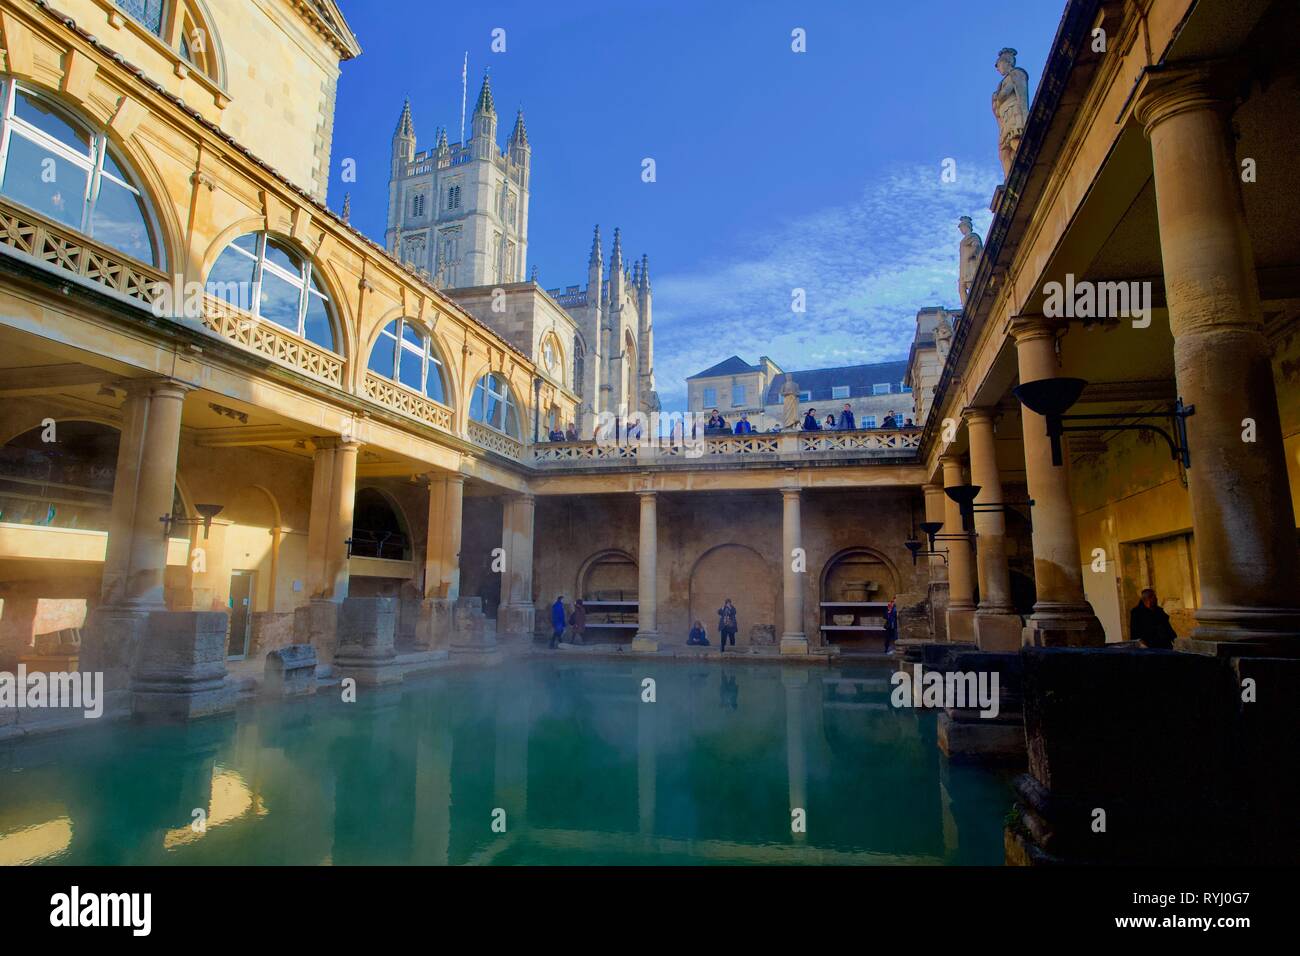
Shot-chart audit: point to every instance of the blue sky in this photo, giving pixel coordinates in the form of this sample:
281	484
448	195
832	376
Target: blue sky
775	170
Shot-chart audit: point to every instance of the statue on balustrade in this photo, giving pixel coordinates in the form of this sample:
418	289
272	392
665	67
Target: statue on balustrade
1010	106
968	257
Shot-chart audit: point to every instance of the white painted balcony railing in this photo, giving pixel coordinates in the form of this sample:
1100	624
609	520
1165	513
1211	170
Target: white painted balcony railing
399	399
496	441
783	446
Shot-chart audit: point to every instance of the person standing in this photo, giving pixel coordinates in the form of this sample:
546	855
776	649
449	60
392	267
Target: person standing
847	424
727	625
557	621
579	621
810	421
891	625
1149	623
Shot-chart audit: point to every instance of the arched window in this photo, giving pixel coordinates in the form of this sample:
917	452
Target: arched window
407	355
494	405
180	26
58	166
267	277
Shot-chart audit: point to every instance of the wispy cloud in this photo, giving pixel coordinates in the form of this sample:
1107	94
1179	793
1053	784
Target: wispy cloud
866	267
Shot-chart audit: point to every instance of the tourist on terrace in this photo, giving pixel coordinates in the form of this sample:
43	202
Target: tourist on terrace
1149	624
830	423
698	637
555	435
847	424
909	424
891	420
727	625
810	421
716	425
578	619
570	433
743	427
557	621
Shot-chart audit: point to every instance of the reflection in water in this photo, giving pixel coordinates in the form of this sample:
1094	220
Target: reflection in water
583	771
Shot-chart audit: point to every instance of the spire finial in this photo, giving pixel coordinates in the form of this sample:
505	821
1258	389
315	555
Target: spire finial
347	207
519	135
405	126
485	104
595	247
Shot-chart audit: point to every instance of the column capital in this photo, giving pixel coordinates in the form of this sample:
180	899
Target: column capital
155	385
1165	92
979	415
647	493
790	492
1024	328
335	441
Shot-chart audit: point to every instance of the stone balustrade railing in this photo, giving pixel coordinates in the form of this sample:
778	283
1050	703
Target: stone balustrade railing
496	441
388	393
783	446
271	340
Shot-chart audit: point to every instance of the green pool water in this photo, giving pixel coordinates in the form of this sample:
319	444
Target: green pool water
564	755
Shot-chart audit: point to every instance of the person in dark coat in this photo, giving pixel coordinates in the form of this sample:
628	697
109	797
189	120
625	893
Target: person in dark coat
891	625
1149	624
578	619
810	421
557	621
727	625
698	636
847	424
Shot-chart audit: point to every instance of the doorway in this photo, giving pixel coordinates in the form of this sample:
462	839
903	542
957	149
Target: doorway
241	613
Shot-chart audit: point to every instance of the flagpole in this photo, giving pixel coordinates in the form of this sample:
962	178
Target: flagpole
464	89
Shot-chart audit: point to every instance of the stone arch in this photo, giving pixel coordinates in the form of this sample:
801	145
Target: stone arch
859	563
608	570
377	517
739	572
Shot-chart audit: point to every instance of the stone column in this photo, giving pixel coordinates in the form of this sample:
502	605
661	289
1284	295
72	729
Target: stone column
143	489
516	615
1242	517
1062	615
442	549
136	558
647	634
793	638
961	578
938	588
334	486
997	626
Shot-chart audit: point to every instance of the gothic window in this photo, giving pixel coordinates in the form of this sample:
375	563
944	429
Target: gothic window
63	169
579	364
417	205
510	262
405	354
268	278
413	251
453	197
493	405
512	206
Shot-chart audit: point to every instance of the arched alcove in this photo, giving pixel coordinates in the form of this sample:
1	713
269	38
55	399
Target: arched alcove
738	572
609	575
379	529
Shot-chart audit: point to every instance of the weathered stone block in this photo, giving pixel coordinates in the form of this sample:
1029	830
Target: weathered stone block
434	625
470	629
317	623
290	671
180	670
763	634
366	640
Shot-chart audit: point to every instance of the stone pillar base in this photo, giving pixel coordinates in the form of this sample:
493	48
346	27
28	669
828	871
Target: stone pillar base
1238	631
433	629
965	736
110	643
516	621
470	631
290	671
1063	626
960	625
998	630
938	611
180	671
794	644
367	634
645	642
317	623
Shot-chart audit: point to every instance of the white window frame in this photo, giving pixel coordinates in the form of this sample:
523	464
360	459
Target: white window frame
737	403
92	163
303	282
868	421
805	396
428	357
707	391
507	403
839	391
880	388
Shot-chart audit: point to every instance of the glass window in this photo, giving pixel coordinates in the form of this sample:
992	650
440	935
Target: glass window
868	421
880	388
493	405
839	391
148	12
710	397
805	396
738	395
60	168
273	281
406	354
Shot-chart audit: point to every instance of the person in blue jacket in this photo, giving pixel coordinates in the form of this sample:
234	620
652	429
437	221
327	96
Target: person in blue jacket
557	621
